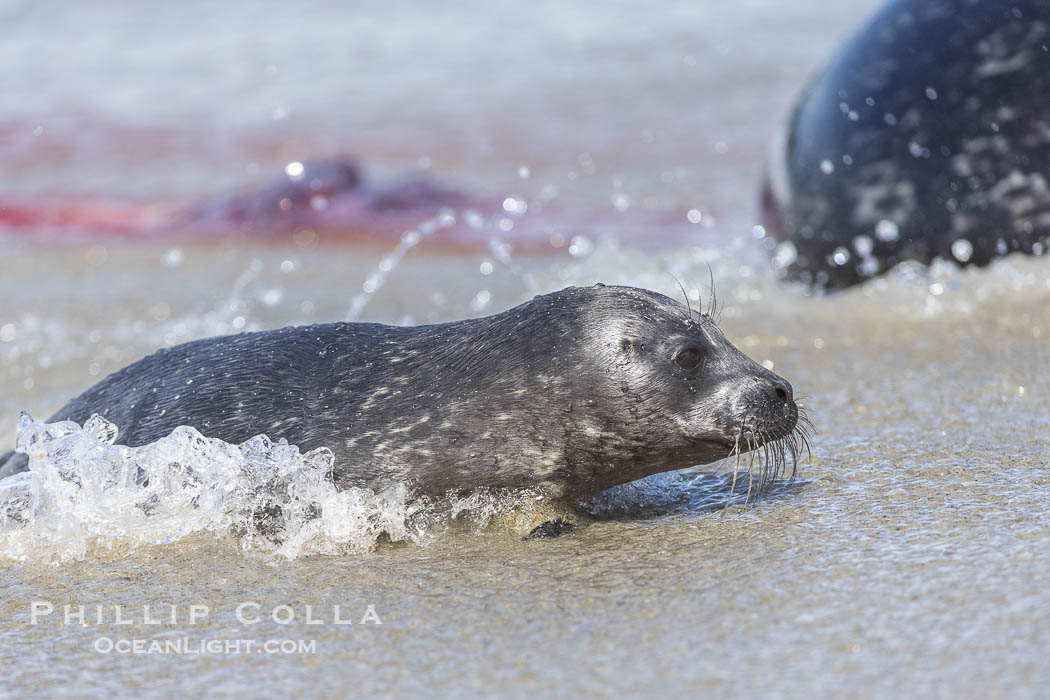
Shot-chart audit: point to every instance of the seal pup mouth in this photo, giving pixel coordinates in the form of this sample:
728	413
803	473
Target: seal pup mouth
768	446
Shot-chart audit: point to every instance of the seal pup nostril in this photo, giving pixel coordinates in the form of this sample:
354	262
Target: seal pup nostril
782	391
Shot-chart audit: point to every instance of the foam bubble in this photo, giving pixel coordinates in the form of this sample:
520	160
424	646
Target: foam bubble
82	491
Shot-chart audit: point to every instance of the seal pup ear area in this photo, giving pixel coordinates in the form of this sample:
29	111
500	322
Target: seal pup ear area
630	346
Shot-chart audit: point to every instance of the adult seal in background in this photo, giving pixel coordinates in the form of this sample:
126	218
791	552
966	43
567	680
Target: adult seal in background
928	135
572	393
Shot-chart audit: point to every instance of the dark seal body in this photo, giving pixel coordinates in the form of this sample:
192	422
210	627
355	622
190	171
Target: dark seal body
572	392
928	135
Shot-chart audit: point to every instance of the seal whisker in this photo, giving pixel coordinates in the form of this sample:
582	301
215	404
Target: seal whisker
759	464
768	457
750	471
750	479
783	449
769	465
712	307
772	464
736	469
688	306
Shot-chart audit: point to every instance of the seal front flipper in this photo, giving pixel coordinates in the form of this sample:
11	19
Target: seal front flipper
550	529
544	519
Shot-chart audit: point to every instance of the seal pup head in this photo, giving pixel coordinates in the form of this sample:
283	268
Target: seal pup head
665	389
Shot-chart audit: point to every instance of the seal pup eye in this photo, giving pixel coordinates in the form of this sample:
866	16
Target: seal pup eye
688	358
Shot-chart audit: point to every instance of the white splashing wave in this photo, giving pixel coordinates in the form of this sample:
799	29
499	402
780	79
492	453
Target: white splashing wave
83	491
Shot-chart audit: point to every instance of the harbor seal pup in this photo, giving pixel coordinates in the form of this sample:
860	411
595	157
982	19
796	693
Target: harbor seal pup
925	137
570	393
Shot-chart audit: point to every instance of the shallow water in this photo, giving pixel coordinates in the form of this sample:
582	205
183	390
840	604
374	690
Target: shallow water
909	557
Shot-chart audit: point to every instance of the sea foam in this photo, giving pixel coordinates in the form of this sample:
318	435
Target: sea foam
82	491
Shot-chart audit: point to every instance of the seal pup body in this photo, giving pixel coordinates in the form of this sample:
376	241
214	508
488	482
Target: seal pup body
572	393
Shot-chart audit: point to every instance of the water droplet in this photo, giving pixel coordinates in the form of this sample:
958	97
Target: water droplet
101	429
515	205
173	258
863	245
694	216
481	300
784	255
160	311
580	246
962	250
887	230
827	167
868	267
294	170
272	297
